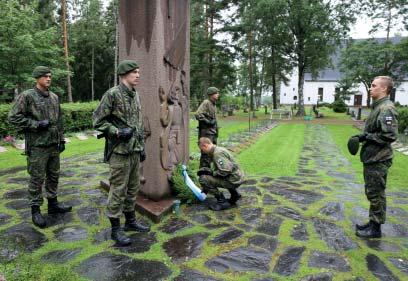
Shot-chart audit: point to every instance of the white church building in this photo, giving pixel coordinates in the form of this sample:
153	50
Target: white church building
323	89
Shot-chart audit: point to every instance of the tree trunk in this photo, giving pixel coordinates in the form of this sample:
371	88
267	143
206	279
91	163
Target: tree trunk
367	87
301	83
275	106
251	80
66	54
115	74
93	74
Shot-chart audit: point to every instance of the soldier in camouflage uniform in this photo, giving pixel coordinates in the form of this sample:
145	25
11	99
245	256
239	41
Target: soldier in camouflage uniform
37	113
207	122
119	118
380	131
227	174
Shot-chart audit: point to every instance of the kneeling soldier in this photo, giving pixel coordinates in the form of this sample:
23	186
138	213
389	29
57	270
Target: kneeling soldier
226	174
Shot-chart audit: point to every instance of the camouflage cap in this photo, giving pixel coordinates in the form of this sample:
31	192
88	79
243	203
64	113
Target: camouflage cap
40	71
353	145
212	90
126	66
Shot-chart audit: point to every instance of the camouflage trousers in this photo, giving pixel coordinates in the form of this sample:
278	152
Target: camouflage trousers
210	184
43	165
375	178
124	183
205	159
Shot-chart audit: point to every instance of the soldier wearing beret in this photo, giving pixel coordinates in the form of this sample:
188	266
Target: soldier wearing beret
227	174
37	113
119	118
207	122
380	131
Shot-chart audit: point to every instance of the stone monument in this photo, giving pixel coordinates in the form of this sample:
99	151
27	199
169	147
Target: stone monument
155	33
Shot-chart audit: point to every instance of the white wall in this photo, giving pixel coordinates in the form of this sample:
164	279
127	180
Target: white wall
311	91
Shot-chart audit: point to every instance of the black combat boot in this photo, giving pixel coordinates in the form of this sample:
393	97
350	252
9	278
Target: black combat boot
55	208
37	218
222	203
235	196
131	223
372	231
117	233
363	226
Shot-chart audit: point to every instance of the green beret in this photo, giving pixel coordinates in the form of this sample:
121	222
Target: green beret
126	66
40	71
212	90
353	145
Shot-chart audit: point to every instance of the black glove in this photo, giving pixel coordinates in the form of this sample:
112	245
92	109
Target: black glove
125	134
43	124
204	171
361	137
142	155
61	146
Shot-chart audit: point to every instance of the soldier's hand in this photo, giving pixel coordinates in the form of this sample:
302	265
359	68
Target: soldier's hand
142	155
43	124
204	171
125	134
61	146
361	137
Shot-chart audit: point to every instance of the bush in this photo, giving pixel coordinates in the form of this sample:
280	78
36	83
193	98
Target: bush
76	117
339	106
402	119
324	104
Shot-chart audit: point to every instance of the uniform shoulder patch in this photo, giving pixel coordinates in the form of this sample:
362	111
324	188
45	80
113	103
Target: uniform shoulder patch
220	162
388	120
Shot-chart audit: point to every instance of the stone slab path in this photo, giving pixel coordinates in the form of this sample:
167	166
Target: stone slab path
293	227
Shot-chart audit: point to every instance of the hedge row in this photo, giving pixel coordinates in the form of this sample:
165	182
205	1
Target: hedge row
76	116
402	119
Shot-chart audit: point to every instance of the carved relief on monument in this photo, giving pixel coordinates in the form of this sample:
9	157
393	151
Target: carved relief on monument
138	18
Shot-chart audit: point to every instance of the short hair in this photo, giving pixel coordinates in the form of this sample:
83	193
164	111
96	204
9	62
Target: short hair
204	140
389	83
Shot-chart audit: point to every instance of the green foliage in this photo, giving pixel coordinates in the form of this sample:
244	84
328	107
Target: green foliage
363	60
76	116
339	106
211	60
24	45
402	119
92	43
182	191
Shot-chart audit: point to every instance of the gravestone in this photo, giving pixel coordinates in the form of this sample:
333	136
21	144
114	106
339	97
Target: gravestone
155	34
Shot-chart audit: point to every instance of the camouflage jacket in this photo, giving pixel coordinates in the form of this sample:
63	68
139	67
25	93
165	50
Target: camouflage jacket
381	128
120	108
206	112
225	166
32	106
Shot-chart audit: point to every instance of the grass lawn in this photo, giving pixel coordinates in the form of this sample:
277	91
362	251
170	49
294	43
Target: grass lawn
276	153
397	176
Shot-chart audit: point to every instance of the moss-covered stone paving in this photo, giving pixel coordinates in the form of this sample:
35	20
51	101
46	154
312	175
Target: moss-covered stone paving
291	227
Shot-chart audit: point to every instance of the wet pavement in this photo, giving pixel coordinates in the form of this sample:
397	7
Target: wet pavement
292	227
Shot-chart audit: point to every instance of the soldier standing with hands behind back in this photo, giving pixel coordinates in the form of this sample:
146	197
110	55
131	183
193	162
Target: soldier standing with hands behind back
37	113
119	118
380	131
207	122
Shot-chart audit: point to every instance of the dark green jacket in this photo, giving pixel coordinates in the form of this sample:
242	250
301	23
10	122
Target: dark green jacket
32	106
206	112
381	128
120	108
225	166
